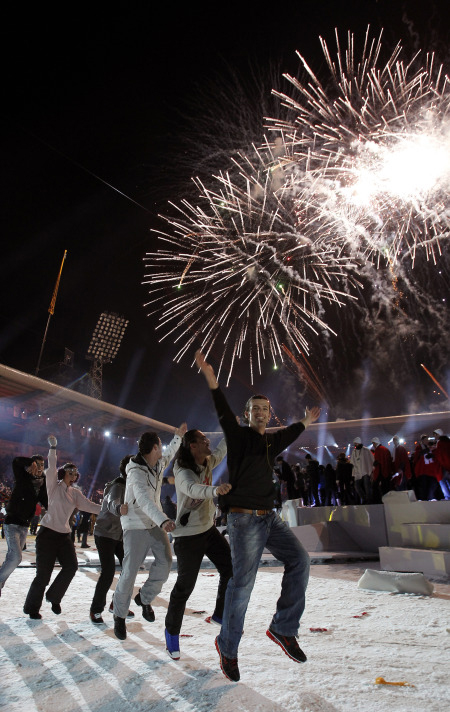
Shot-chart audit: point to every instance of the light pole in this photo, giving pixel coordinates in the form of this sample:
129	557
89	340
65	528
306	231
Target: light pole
105	342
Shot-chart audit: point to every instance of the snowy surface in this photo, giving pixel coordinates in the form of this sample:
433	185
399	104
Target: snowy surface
65	663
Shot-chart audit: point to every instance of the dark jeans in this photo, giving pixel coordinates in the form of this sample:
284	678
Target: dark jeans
363	488
249	534
380	487
427	488
107	549
51	546
189	551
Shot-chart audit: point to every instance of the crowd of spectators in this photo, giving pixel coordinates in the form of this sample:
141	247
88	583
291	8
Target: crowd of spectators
364	476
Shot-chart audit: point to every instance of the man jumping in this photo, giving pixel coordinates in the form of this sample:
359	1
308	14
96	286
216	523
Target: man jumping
253	525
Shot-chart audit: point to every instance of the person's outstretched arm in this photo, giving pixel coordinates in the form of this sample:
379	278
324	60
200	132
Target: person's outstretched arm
207	370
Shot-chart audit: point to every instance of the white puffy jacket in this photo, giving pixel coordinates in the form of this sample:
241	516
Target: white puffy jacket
195	506
143	490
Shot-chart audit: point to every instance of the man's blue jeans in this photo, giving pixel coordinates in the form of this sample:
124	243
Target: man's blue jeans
249	535
445	484
16	538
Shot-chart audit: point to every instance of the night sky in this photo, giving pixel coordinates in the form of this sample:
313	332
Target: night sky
92	98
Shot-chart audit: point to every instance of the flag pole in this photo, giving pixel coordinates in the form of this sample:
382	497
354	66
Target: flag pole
51	311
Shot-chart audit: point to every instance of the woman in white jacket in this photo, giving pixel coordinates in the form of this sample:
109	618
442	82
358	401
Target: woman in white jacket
54	541
195	535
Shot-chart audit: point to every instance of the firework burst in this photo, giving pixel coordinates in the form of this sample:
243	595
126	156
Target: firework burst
237	276
368	155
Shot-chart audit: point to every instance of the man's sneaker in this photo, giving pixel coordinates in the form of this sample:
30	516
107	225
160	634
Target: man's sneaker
289	644
214	619
147	610
120	629
173	645
229	666
96	617
130	614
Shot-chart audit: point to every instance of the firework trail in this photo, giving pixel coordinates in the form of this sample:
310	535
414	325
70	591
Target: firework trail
368	156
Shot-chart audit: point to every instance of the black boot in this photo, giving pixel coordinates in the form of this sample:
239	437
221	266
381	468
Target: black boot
120	629
147	610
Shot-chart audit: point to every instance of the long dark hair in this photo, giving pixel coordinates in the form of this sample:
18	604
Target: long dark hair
123	463
62	471
184	456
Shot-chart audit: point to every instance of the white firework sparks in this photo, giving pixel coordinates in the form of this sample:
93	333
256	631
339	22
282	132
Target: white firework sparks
361	172
369	155
237	276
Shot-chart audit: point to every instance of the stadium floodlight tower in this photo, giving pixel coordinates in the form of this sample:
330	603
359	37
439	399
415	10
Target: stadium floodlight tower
105	342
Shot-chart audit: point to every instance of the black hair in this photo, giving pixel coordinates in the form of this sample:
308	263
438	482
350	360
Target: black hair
37	457
184	456
147	442
62	471
258	396
123	463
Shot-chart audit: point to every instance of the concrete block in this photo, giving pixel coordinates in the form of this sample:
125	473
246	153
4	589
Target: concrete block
426	536
432	563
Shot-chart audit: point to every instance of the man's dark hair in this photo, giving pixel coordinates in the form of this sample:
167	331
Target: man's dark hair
147	442
258	396
37	457
184	456
123	463
62	471
308	456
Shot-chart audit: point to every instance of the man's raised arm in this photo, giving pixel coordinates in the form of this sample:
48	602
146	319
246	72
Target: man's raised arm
207	370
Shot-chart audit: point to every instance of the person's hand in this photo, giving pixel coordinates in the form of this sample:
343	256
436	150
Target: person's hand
168	525
124	508
32	469
52	441
311	415
181	430
206	369
223	489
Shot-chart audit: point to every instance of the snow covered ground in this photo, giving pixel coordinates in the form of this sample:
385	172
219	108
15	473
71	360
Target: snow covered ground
65	663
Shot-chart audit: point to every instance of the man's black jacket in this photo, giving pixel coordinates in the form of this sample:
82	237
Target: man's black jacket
24	498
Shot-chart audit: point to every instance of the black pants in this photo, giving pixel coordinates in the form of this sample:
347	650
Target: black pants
51	546
107	548
428	488
314	492
189	551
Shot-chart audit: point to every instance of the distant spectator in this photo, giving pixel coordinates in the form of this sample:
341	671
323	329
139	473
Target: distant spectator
84	529
285	474
344	478
362	461
330	497
383	469
442	457
402	468
421	449
312	471
428	474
